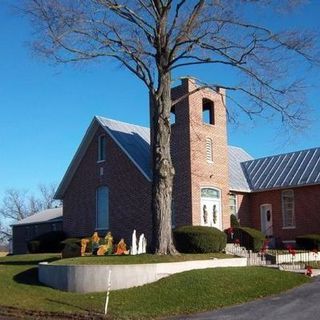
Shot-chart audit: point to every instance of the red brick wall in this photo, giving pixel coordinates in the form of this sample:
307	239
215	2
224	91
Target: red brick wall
243	206
24	233
188	141
129	194
307	211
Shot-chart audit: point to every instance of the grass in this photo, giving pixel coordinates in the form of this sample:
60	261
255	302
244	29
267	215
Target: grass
139	259
187	292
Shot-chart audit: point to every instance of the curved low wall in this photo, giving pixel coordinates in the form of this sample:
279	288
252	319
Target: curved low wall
94	278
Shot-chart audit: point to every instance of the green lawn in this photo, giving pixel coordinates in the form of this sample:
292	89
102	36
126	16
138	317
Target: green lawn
187	292
143	258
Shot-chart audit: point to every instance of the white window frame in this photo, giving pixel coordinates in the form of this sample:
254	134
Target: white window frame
285	224
97	209
235	203
101	137
209	150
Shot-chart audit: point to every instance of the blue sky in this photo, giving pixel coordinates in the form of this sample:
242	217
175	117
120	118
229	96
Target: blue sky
45	109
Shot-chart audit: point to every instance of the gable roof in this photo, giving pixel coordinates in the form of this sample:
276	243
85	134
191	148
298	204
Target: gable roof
134	141
287	170
49	215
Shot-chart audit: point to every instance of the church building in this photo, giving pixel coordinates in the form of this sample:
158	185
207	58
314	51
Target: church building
107	186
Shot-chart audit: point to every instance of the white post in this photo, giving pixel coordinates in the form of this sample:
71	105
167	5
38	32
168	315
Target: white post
108	292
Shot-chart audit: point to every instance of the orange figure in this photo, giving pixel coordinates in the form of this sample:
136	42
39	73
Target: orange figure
122	248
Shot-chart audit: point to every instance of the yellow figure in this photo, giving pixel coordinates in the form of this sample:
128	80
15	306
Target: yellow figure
95	242
84	243
109	243
95	238
102	250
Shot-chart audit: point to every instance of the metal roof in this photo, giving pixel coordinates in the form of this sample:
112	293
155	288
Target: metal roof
49	215
285	170
134	140
237	180
245	174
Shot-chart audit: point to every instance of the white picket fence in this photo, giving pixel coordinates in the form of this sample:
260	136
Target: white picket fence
253	258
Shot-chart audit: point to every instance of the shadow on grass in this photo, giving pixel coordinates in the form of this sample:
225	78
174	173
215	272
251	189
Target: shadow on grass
27	263
29	277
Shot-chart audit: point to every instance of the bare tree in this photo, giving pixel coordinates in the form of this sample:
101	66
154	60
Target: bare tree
5	232
17	205
153	38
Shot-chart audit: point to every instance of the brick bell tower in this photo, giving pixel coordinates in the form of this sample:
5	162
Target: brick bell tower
200	156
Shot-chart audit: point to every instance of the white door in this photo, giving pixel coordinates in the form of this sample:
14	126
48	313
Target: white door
211	208
266	219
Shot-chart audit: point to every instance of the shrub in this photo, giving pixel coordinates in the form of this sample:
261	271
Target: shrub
47	242
251	239
234	222
197	239
308	241
71	250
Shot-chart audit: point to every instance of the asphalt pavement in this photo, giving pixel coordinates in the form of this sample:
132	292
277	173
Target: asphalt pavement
302	303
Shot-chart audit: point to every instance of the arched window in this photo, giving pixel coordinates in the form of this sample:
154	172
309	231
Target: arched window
210	193
102	147
102	214
208	111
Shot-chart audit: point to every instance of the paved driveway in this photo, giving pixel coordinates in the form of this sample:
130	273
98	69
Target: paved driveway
302	303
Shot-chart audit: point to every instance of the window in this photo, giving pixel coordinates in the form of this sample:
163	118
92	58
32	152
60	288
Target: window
172	116
209	154
207	111
102	148
288	209
210	193
102	208
54	227
233	204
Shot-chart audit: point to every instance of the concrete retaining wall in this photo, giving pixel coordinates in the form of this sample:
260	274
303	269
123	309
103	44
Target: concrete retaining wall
93	278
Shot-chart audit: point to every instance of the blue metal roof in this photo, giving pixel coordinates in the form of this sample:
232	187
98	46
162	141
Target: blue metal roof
285	170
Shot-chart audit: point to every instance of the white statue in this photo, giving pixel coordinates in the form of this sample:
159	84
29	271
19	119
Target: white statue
144	245
134	244
140	246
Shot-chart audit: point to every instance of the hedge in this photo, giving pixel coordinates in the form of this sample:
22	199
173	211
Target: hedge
198	239
234	222
47	242
308	241
250	238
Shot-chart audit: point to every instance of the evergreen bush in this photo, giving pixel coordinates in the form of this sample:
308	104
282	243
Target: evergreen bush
308	241
198	239
250	238
234	222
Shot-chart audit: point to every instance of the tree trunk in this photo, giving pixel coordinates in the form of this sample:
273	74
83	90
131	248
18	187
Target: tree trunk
163	171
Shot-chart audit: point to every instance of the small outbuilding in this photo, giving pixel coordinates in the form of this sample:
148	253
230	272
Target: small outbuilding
33	226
